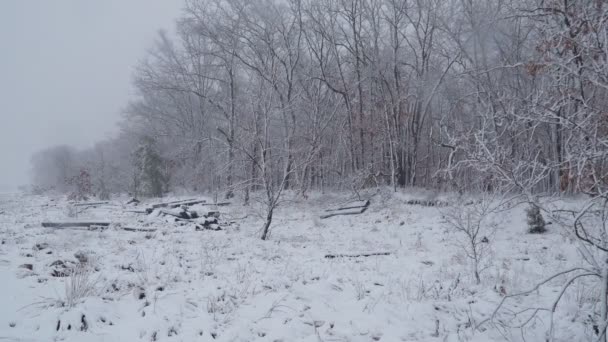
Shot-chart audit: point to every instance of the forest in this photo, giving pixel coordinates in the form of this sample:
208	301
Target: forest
462	145
346	94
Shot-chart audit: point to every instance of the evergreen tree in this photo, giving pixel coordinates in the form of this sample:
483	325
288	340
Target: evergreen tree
536	223
82	186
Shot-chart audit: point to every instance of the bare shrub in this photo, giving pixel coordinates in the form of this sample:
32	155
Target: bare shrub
360	289
223	305
473	229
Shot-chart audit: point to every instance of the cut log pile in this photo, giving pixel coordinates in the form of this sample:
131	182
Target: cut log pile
179	211
172	204
133	201
350	208
208	221
188	202
182	213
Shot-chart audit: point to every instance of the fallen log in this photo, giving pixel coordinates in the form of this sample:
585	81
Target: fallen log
145	230
176	204
345	212
87	229
428	203
351	205
87	204
186	203
133	201
135	211
220	204
183	214
166	204
74	224
365	255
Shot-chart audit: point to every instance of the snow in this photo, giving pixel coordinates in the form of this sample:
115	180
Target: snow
179	284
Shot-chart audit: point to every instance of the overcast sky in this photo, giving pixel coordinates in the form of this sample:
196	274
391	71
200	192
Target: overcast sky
65	69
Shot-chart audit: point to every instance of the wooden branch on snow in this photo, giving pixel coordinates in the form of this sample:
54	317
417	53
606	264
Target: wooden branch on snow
352	205
145	230
365	255
436	203
74	224
428	203
350	208
168	204
88	204
183	215
220	204
91	225
186	203
356	211
135	211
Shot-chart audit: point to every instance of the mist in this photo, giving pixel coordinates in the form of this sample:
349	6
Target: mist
65	69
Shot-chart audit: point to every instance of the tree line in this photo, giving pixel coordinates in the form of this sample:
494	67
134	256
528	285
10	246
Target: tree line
344	94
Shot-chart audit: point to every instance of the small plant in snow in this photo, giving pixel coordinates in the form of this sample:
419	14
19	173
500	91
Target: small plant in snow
536	222
222	305
142	270
242	273
419	245
472	227
78	286
360	290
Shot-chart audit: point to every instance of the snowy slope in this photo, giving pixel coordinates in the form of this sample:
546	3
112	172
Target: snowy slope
178	284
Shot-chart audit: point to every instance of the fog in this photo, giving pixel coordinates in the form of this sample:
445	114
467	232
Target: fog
304	170
65	71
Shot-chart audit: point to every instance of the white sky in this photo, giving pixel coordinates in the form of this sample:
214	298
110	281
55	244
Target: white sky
65	71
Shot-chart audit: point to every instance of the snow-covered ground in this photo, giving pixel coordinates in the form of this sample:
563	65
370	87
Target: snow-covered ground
179	284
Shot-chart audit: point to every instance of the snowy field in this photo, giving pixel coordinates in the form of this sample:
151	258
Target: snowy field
176	283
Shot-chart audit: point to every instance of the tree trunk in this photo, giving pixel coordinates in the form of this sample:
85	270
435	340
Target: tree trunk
604	303
266	228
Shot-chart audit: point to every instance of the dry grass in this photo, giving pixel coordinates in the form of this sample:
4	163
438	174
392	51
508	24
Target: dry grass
79	285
